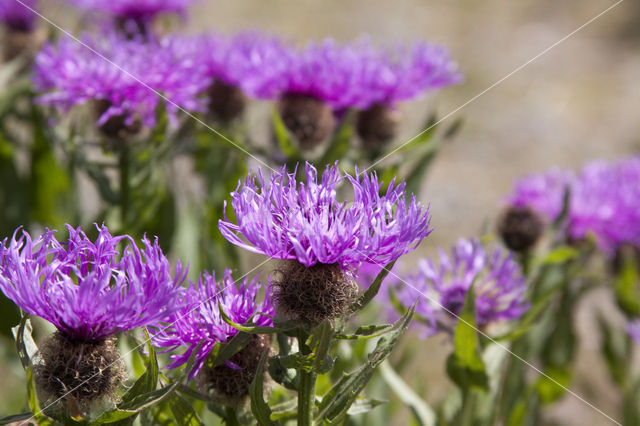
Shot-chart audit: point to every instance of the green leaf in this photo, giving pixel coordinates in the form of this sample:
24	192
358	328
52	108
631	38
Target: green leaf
560	255
281	327
282	375
221	352
465	366
259	407
554	384
422	412
342	395
319	342
24	341
617	350
183	412
367	332
15	418
40	418
340	143
627	285
137	404
286	143
373	289
149	379
363	405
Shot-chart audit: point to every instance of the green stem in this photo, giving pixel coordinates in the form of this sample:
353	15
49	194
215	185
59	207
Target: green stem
124	183
231	417
306	388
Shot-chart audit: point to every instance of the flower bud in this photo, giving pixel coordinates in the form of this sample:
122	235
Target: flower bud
377	126
310	120
226	101
520	228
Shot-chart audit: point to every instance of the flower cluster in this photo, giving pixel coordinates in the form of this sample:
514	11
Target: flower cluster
604	200
199	325
125	74
18	17
440	289
89	290
284	219
139	10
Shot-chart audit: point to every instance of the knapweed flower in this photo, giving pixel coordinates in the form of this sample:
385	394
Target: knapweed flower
249	63
198	326
603	201
322	237
440	289
124	86
137	10
18	17
88	291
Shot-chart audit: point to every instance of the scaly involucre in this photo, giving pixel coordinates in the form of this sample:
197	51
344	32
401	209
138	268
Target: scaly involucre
199	325
143	10
17	16
68	74
440	291
286	219
89	290
604	200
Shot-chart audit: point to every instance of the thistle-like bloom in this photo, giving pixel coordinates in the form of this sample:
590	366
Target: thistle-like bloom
139	10
604	201
89	290
199	325
69	74
392	75
440	289
286	219
16	16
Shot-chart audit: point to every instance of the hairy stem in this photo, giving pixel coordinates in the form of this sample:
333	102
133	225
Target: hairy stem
306	388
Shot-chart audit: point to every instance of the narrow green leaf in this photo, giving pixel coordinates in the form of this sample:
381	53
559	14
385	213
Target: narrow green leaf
221	352
40	418
319	342
183	412
373	289
149	379
139	403
547	386
616	349
15	418
367	332
341	396
363	405
24	341
422	412
259	407
560	255
627	284
256	329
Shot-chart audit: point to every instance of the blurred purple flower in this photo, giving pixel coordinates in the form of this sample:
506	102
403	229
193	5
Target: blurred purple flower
284	219
633	328
604	200
139	10
83	288
16	16
440	291
199	325
68	74
392	75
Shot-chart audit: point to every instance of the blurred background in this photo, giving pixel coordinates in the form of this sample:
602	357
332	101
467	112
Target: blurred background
578	102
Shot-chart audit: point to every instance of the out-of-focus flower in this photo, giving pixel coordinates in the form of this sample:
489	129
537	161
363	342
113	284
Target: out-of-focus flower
126	82
440	289
604	201
324	238
520	228
633	328
138	10
18	17
198	326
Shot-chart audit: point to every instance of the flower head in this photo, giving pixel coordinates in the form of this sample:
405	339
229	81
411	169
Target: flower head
128	80
603	201
441	289
16	16
286	219
89	290
141	10
199	325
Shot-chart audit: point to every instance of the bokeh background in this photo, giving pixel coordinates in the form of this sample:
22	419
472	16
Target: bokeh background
578	102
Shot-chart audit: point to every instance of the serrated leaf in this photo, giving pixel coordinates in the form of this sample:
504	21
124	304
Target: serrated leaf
422	412
259	407
336	402
373	289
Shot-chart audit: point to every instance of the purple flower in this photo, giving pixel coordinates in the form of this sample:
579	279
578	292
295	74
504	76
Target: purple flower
86	289
633	328
69	74
604	201
139	10
199	325
18	17
440	290
251	61
284	219
392	75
